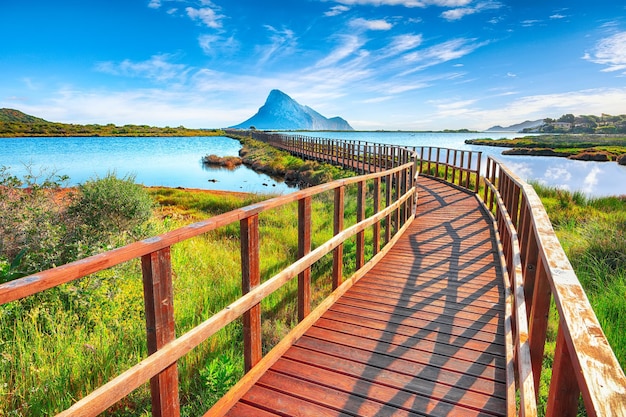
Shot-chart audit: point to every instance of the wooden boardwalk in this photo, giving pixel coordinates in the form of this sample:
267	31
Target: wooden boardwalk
421	334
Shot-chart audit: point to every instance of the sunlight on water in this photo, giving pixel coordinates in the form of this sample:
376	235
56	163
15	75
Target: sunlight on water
170	162
175	162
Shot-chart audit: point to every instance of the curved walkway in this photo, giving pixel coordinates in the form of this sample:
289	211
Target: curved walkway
422	334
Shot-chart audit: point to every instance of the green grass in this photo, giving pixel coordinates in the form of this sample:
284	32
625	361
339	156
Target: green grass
59	345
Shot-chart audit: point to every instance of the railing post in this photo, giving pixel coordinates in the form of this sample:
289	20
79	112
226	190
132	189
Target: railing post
360	216
538	320
564	391
304	247
158	293
388	181
337	228
478	163
469	170
376	210
251	278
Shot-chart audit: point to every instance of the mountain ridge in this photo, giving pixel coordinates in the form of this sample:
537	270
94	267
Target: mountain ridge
528	124
281	112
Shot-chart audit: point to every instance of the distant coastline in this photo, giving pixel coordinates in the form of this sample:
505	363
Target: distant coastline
582	147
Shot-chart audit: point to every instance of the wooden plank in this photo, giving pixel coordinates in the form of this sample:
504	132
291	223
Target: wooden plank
390	396
461	348
405	359
435	391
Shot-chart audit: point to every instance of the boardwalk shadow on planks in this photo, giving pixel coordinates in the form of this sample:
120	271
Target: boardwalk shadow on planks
420	335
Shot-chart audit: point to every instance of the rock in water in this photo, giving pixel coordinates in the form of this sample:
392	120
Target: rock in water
281	112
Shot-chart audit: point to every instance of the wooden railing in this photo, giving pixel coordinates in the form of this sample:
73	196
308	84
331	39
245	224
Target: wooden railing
538	271
455	166
392	213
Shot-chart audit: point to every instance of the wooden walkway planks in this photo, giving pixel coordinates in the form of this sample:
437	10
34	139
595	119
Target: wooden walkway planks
420	335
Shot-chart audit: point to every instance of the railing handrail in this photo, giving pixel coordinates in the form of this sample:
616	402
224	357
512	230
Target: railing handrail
584	361
164	348
25	286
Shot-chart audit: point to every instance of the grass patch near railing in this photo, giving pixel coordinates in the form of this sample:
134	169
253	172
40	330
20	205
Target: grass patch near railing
592	232
59	345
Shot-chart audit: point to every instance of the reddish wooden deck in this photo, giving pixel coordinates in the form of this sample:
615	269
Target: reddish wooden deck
420	334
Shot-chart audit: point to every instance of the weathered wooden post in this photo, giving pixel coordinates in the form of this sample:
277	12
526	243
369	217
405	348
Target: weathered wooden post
158	291
251	278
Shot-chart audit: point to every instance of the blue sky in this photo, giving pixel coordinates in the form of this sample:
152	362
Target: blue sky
380	64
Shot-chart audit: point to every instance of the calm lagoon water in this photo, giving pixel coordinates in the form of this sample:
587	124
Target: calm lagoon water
595	179
170	162
176	162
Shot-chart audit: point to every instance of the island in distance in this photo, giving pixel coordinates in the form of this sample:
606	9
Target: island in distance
281	112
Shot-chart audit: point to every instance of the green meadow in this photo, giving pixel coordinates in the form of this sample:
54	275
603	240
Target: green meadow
59	345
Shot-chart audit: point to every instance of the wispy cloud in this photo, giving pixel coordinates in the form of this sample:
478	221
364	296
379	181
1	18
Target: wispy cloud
443	52
403	43
218	44
206	15
611	52
459	13
157	68
154	4
407	3
282	42
379	24
349	45
336	10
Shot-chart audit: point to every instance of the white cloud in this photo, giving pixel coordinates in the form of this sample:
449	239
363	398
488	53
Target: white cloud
207	15
154	4
592	101
282	42
610	51
443	52
349	45
530	23
558	16
157	68
403	43
336	10
459	13
213	44
407	3
379	24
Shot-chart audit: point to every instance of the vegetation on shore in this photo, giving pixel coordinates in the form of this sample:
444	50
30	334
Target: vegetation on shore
573	146
265	158
14	123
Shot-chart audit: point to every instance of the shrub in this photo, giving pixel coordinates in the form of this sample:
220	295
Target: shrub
108	208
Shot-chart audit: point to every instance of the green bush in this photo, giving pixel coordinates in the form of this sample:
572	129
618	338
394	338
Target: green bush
108	208
41	226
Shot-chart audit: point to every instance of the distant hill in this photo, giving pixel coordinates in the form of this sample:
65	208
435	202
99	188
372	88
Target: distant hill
281	112
528	124
16	116
14	123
